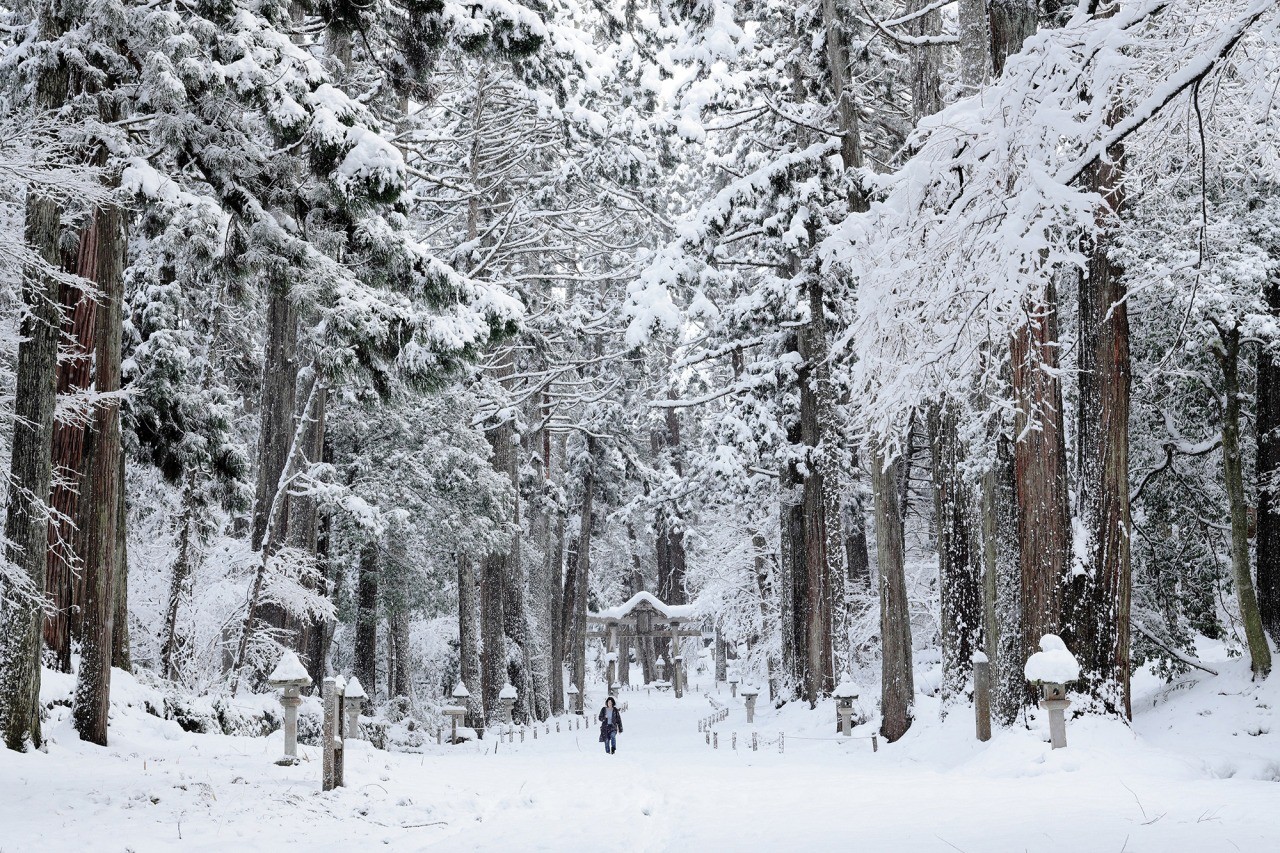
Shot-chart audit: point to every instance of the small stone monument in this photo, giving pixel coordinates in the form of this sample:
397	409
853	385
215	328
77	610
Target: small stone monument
734	679
1053	668
846	694
749	694
507	698
290	676
575	698
352	703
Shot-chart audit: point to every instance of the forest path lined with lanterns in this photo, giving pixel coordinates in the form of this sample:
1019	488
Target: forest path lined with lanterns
1157	786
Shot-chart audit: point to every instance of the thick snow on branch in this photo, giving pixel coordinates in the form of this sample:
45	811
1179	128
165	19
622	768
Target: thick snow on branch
974	228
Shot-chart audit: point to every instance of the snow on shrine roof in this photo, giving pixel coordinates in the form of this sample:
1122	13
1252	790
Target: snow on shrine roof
669	611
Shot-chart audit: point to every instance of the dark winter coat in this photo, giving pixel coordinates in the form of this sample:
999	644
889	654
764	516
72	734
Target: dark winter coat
607	729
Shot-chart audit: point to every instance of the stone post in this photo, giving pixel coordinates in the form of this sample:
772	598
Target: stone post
749	695
676	660
611	650
982	695
1056	703
332	772
291	676
353	700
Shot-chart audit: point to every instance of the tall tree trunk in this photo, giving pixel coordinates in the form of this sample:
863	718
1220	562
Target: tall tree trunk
1012	23
897	682
515	611
975	45
303	526
1228	354
399	614
1040	476
274	533
179	578
93	685
959	556
556	575
1002	582
1097	610
1268	476
926	72
793	572
367	617
70	465
26	518
469	640
121	655
493	635
277	408
576	586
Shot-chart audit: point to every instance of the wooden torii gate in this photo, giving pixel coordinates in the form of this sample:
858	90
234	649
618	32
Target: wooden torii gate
644	617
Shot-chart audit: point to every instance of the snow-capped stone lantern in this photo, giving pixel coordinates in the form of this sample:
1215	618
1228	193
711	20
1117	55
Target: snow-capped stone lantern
458	709
290	676
353	701
1053	668
575	699
734	680
615	690
661	664
507	698
749	694
845	694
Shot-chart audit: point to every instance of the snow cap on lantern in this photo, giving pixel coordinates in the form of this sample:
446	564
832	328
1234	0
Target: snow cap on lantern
1053	664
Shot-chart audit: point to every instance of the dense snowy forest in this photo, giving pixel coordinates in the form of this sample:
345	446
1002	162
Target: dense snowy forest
408	335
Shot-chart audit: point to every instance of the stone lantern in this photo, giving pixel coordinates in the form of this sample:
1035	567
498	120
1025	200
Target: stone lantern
661	664
845	694
1053	667
353	699
458	709
507	698
575	698
749	694
734	680
290	676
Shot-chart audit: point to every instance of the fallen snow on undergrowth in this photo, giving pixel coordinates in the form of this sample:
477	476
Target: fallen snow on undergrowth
1197	771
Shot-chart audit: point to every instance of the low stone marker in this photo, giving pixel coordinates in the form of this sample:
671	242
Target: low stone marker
334	765
1053	668
846	693
749	694
290	676
982	695
352	702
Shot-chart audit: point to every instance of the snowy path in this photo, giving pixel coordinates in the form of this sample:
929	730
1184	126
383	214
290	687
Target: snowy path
157	788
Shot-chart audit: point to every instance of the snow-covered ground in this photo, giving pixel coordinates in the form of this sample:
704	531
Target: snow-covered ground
1197	772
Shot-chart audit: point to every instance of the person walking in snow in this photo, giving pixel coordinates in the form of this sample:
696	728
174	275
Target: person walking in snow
610	725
